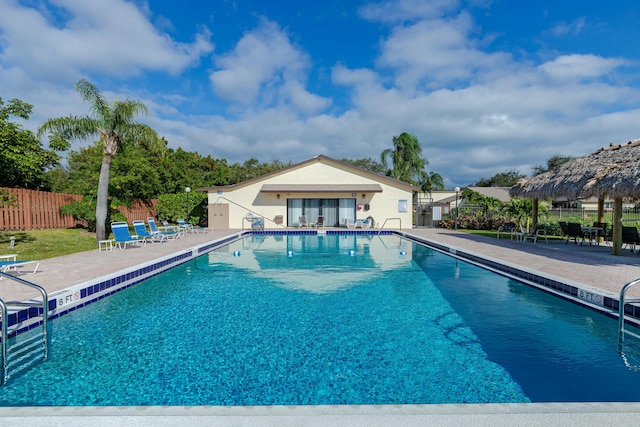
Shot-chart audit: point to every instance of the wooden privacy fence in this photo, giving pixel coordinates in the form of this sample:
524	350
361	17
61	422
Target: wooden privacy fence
40	209
139	210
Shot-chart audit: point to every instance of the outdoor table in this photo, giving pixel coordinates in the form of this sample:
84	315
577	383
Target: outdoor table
593	232
105	245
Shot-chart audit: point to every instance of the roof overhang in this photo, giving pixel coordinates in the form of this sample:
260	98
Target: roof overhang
321	188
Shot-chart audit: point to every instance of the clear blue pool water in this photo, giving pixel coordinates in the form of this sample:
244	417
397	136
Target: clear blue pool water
297	320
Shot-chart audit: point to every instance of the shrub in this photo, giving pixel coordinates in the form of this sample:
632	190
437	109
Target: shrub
82	210
172	207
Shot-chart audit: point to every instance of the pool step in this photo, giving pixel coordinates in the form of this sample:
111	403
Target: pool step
23	350
24	354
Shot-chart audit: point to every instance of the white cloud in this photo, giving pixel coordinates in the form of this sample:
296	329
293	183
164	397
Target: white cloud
571	28
570	67
302	100
436	53
407	10
476	110
67	38
265	67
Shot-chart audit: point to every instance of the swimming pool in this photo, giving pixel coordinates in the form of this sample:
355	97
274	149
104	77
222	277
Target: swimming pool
300	319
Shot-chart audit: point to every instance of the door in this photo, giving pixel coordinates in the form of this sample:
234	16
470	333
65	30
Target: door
219	216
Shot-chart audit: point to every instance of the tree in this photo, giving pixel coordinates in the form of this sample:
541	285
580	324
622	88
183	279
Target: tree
179	169
253	168
502	179
406	157
81	173
431	181
115	127
7	199
553	163
367	163
520	210
491	204
23	160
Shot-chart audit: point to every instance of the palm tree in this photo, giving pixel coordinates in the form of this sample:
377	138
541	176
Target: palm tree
114	125
406	156
431	181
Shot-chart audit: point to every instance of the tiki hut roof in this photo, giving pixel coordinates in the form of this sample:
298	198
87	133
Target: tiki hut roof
613	171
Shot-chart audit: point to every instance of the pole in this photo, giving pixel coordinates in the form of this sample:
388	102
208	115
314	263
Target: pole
187	191
457	189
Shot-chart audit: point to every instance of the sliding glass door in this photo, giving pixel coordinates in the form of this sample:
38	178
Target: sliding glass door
334	211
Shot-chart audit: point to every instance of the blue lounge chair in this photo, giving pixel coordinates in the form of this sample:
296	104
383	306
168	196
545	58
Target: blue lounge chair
142	232
169	232
11	264
122	235
188	228
172	228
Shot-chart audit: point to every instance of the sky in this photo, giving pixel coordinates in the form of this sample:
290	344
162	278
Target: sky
487	86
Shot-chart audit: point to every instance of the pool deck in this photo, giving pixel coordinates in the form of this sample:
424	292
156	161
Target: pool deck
591	266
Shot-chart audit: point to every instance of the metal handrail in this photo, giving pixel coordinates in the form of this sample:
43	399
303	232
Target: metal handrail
385	221
5	326
622	302
5	340
248	210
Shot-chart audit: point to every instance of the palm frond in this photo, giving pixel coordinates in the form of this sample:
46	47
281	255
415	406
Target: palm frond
71	127
96	100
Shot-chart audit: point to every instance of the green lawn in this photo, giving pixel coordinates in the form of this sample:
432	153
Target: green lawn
41	244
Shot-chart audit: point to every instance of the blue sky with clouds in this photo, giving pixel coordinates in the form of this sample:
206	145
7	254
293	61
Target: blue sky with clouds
487	86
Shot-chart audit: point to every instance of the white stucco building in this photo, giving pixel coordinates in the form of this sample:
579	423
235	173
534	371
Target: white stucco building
318	186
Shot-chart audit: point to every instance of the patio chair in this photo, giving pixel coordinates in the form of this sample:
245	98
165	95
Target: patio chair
186	227
302	222
608	238
142	232
122	235
507	228
171	228
320	221
350	222
630	237
574	231
172	235
539	231
565	229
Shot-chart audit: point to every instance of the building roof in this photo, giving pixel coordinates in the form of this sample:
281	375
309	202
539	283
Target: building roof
609	172
318	159
500	193
321	188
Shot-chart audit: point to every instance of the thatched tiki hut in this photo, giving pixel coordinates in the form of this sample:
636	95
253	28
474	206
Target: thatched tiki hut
612	172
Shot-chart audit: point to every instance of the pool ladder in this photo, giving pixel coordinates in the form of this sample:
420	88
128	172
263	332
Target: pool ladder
30	347
390	219
627	352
